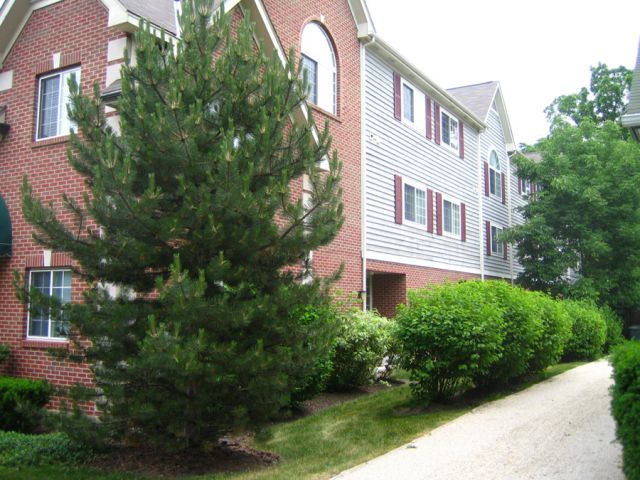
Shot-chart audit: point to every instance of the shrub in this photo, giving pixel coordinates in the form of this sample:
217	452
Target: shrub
588	333
523	327
4	352
448	334
626	404
556	331
359	348
21	401
22	450
316	382
614	335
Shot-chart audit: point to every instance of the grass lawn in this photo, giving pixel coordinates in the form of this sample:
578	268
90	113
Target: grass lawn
330	441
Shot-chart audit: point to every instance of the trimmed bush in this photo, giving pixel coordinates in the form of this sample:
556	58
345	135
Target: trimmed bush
21	402
447	335
556	331
614	329
5	350
588	333
359	348
626	404
522	315
22	450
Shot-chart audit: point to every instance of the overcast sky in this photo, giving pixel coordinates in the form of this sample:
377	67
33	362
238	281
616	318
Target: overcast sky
537	50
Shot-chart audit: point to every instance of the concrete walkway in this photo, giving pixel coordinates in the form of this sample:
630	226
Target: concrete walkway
559	429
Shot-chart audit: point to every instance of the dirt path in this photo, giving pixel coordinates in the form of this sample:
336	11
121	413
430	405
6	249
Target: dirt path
560	429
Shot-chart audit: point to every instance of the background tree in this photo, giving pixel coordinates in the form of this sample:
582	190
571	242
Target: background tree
604	100
585	215
191	214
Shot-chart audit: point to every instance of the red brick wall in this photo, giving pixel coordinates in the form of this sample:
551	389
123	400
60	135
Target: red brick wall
78	30
389	290
289	18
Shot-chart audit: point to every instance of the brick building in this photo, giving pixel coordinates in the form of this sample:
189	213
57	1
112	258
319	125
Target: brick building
422	200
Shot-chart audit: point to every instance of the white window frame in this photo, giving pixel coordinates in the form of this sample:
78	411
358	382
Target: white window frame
497	176
418	187
326	95
418	106
526	187
458	203
63	123
452	118
499	250
51	271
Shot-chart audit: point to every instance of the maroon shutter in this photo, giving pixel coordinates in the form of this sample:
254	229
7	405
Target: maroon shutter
504	191
398	187
397	87
487	225
436	125
486	179
504	249
533	188
461	130
463	222
429	210
428	110
519	186
439	213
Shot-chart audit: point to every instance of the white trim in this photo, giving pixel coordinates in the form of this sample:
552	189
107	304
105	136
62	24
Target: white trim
500	171
481	195
6	80
363	176
490	240
416	262
62	109
116	48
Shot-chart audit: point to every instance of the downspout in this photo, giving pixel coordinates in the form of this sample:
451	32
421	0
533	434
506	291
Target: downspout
510	214
363	166
481	205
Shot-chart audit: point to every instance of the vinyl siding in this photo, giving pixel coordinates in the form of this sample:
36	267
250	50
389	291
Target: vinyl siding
394	148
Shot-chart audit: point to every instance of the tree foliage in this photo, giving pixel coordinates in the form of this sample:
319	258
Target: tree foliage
604	100
585	215
192	216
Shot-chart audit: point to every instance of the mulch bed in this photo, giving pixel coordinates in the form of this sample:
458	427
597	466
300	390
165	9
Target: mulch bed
232	455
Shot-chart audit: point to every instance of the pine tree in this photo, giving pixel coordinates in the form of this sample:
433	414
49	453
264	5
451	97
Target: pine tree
191	213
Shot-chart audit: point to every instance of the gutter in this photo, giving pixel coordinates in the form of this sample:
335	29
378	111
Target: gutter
481	206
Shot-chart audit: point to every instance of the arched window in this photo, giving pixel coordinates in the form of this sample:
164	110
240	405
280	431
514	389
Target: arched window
495	176
319	61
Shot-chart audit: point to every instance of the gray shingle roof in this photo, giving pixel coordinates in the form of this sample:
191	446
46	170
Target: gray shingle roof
477	98
634	98
158	12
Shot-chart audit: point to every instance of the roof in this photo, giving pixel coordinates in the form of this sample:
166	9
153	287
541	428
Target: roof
631	118
158	12
477	98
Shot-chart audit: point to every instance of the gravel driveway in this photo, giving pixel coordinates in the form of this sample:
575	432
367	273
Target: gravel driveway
559	429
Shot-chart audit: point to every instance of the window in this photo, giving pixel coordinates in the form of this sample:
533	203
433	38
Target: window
451	219
407	103
319	61
526	187
53	98
449	133
415	204
497	246
49	283
495	177
413	106
311	67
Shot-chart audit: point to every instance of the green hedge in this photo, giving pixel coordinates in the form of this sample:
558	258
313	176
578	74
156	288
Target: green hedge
22	450
447	335
626	404
589	331
362	342
614	324
556	331
21	402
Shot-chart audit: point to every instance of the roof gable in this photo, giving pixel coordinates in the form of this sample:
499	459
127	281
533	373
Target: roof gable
480	98
631	118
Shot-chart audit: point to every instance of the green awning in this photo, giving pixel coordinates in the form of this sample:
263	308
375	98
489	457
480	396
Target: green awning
5	229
